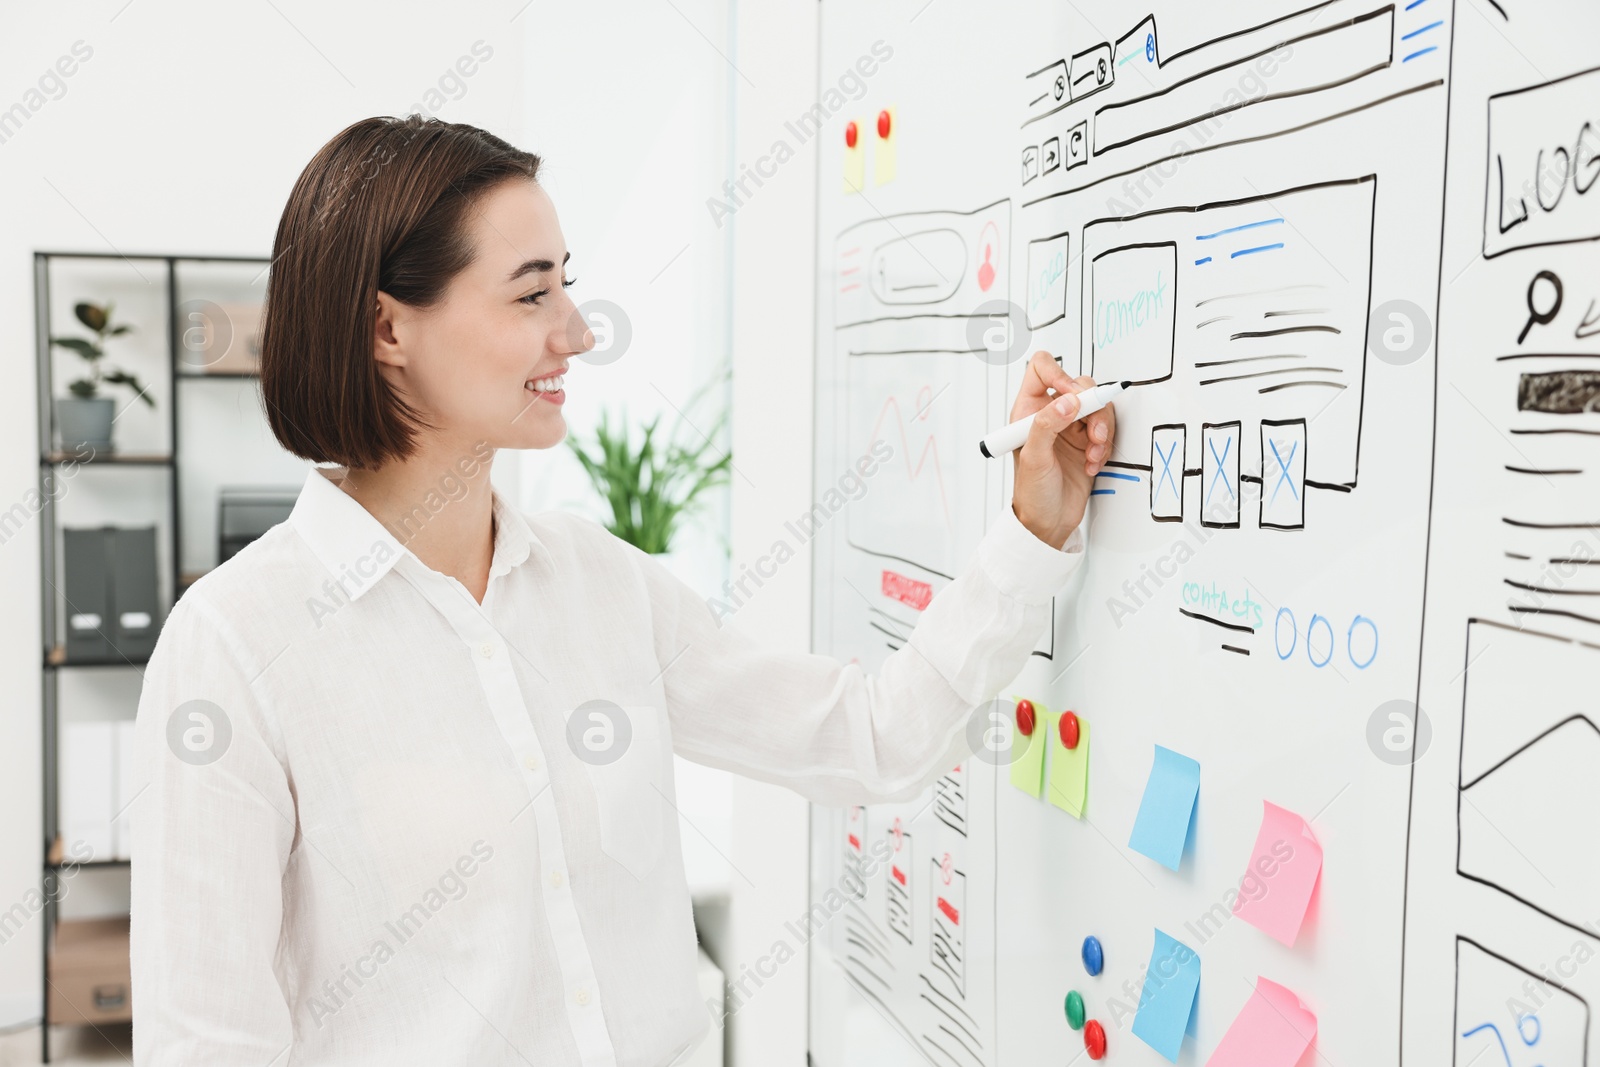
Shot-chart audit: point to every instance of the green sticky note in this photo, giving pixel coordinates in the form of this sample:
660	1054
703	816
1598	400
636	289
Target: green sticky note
1027	768
1069	771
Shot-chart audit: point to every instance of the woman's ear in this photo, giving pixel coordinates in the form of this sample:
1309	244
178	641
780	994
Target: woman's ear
385	340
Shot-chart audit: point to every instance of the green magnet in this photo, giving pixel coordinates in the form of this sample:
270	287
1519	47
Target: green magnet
1075	1010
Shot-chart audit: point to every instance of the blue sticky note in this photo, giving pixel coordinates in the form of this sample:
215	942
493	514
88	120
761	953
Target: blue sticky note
1170	986
1167	808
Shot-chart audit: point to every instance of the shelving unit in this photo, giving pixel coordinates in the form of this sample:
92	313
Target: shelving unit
190	402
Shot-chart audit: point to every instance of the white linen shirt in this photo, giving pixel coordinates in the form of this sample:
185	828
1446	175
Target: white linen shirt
367	839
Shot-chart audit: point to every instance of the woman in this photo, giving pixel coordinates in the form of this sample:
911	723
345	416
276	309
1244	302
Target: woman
409	753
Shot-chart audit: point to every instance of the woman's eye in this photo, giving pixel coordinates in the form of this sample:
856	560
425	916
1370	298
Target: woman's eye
533	298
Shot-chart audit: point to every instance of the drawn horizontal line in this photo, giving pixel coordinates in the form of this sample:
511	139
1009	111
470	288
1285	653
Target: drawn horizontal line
1519	555
1102	492
1548	355
1523	610
1551	525
1585	433
1420	52
1530	470
1217	622
1423	30
1236	648
1551	592
1250	359
1236	229
1258	248
1296	311
1296	385
1208	322
1569	559
1202	261
1266	373
1114	474
1286	329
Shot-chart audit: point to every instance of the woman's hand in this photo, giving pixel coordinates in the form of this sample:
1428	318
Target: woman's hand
1055	468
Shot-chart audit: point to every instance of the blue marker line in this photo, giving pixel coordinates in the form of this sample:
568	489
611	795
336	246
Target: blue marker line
1420	52
1258	248
1204	259
1102	492
1236	229
1118	474
1415	3
1419	33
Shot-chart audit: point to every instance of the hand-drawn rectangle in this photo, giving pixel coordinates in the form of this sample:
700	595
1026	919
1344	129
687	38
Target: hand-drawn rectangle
1166	472
1544	153
1283	474
1132	312
1220	444
1047	279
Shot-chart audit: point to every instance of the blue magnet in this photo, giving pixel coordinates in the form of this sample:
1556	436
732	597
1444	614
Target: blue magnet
1094	957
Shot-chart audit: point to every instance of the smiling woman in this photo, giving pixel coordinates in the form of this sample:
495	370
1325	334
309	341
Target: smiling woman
410	669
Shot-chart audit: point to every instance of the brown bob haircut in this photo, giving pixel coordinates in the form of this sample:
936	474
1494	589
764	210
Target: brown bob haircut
382	206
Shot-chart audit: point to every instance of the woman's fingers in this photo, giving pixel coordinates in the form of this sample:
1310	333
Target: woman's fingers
1043	373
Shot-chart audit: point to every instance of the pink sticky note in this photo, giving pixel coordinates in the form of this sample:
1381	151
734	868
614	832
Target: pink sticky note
1276	888
1273	1030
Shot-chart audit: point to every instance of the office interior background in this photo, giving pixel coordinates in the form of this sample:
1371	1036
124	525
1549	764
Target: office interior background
151	178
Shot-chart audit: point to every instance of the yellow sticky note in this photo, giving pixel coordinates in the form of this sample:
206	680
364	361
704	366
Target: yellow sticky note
855	156
1027	764
884	136
1069	771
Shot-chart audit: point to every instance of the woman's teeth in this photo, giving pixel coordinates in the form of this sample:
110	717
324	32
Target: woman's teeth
546	385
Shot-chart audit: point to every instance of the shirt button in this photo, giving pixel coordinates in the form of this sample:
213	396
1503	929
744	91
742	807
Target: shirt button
581	996
487	650
556	879
531	762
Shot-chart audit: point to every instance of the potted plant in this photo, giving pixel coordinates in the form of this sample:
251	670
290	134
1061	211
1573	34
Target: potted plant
84	418
650	488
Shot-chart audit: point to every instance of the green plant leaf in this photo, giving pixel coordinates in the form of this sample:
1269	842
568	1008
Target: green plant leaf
118	331
82	388
120	377
650	480
87	349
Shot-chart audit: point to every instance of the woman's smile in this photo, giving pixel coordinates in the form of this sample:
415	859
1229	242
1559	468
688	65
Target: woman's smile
549	387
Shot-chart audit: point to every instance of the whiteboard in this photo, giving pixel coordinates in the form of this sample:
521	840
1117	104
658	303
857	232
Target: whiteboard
1344	557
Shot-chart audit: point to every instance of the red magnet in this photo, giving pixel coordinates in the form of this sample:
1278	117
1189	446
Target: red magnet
1025	717
883	124
850	135
1094	1039
1069	729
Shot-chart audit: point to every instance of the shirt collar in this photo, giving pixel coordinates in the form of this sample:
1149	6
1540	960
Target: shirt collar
357	550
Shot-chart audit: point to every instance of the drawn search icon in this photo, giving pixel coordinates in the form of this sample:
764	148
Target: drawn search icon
1543	318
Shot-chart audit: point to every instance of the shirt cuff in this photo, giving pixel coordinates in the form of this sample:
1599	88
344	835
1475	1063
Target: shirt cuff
1024	567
